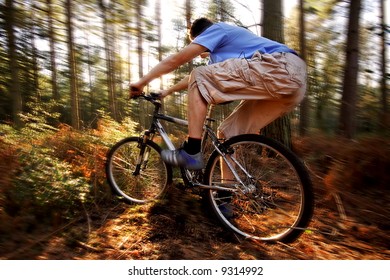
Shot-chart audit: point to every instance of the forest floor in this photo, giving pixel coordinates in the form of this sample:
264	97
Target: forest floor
348	223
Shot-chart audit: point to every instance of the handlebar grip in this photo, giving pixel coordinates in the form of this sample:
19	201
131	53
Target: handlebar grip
135	92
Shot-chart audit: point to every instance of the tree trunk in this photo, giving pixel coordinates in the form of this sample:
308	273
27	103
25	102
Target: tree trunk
280	129
90	74
347	124
75	109
159	36
304	107
53	64
140	52
385	111
273	20
15	87
188	23
129	50
34	53
110	71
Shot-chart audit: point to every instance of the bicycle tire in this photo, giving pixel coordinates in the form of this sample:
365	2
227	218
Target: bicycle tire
277	205
145	185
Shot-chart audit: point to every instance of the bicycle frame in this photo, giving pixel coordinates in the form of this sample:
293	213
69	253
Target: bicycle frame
156	126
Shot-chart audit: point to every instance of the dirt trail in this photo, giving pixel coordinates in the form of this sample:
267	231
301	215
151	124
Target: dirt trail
348	226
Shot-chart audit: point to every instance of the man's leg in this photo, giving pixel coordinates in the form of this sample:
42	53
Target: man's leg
196	112
190	157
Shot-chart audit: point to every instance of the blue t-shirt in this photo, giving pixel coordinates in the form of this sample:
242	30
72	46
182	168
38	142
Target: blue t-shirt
226	41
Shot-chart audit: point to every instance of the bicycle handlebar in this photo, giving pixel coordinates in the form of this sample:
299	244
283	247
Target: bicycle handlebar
153	96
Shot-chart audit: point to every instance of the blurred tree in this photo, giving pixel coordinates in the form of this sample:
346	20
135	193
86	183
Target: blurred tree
188	14
31	65
347	123
128	30
182	39
304	107
222	10
324	49
385	120
107	7
159	36
368	105
74	89
140	34
326	66
15	83
52	42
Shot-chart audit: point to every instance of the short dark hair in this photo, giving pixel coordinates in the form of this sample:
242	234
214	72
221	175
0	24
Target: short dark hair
199	25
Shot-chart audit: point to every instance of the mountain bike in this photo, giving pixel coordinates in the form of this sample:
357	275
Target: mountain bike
257	188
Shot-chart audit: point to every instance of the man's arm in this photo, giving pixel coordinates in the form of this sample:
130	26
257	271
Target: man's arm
169	64
183	84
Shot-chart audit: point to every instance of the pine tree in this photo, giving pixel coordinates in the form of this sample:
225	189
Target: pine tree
279	129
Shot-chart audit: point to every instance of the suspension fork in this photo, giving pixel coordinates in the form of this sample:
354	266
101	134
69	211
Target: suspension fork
144	151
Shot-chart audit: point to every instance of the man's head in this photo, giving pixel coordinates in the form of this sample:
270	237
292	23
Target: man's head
198	26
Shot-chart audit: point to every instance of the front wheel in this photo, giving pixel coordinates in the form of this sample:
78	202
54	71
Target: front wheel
136	172
272	201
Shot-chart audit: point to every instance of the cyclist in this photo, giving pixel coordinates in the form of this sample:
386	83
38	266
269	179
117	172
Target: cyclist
268	77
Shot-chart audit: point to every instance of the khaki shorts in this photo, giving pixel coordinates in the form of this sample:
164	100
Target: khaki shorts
269	86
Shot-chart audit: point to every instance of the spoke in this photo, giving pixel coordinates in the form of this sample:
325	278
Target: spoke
269	202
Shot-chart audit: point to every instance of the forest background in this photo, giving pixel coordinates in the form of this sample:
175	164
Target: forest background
65	69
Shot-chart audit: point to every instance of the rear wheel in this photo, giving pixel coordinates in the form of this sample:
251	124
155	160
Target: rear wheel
273	201
136	171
